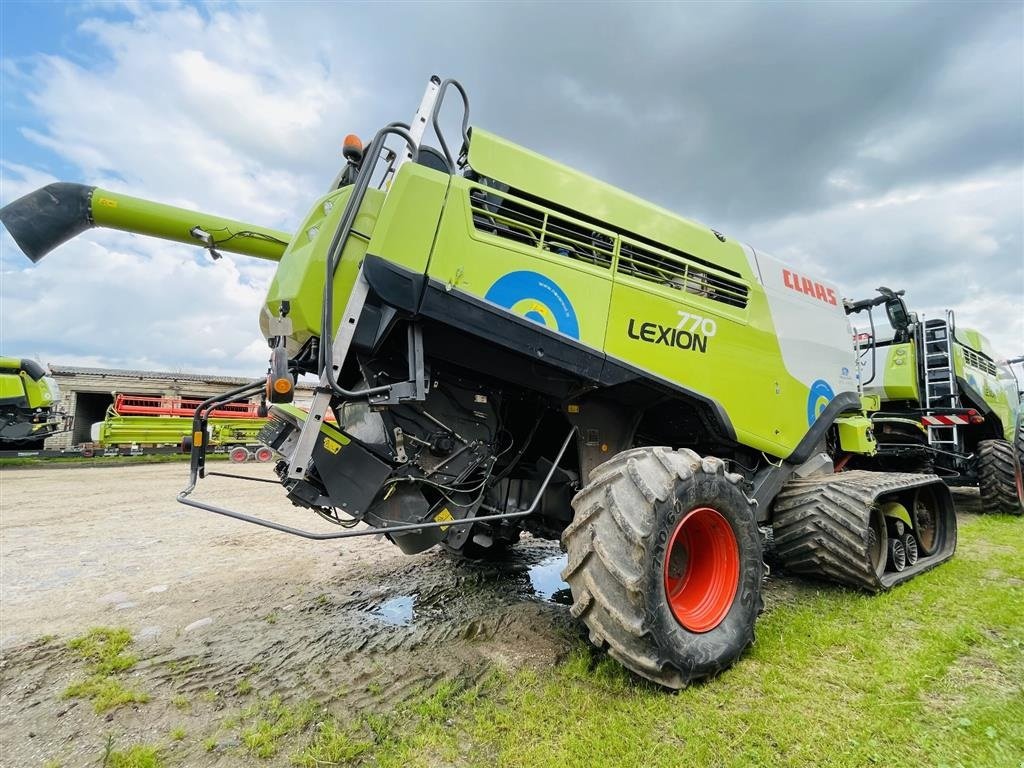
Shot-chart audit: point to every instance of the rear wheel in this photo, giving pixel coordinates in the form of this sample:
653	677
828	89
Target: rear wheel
665	564
264	454
239	454
999	477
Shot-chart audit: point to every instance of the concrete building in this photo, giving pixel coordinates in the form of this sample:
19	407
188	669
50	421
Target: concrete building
87	393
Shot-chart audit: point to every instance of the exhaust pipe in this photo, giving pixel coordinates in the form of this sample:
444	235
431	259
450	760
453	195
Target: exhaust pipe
49	217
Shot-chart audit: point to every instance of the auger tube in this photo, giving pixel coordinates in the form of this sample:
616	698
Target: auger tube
42	220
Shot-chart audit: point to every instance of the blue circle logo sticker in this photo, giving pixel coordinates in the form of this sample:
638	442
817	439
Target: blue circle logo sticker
536	298
818	399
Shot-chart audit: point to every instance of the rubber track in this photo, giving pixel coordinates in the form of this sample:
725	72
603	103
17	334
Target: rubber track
997	479
821	527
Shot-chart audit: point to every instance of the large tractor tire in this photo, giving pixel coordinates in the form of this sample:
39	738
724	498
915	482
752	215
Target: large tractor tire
665	564
999	476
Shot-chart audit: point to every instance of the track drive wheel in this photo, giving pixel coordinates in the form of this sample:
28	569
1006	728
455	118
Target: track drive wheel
665	564
999	476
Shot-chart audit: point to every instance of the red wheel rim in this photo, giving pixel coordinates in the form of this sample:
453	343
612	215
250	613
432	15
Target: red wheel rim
702	569
264	454
238	455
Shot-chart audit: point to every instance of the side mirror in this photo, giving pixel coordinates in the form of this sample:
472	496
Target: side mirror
899	318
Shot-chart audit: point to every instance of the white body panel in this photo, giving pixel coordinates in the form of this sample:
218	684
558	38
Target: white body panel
812	327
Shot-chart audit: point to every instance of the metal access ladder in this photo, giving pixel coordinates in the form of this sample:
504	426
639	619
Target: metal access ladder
935	342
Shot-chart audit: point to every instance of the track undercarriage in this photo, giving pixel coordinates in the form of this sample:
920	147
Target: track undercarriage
869	530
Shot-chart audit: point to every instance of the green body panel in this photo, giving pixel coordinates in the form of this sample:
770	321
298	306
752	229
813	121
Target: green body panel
855	434
133	214
899	374
171	430
522	168
15	382
40	394
472	262
300	273
976	340
11	386
994	384
742	367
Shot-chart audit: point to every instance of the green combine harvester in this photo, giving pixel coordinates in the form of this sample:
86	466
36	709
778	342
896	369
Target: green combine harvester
29	400
949	403
509	345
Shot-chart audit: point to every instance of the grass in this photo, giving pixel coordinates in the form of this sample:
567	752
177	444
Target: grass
268	722
137	756
931	673
177	734
104	649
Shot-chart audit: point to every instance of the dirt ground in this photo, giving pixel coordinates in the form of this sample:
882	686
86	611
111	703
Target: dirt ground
222	611
213	602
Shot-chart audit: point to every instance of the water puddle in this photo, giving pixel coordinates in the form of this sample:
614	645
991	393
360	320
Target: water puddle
546	580
461	591
397	611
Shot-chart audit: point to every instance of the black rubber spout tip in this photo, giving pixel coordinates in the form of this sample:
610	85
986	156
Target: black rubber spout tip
48	217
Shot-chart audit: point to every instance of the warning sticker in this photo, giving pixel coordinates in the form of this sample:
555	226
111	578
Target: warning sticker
444	516
331	446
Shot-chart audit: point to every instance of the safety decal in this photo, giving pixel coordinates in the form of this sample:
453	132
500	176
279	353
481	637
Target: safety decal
537	298
818	399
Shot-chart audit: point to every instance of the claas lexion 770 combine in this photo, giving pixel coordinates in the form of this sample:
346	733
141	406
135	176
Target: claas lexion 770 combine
508	345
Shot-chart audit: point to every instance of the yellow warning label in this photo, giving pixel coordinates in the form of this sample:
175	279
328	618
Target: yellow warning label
444	516
331	446
106	201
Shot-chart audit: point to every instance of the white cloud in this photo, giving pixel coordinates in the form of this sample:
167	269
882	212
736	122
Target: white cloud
947	244
200	112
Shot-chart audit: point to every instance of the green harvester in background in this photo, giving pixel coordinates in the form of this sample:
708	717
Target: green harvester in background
29	399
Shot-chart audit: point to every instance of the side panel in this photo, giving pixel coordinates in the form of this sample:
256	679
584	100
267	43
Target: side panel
994	385
300	273
899	377
813	336
725	352
531	277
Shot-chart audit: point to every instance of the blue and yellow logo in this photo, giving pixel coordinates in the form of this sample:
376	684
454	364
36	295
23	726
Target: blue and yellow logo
818	399
537	298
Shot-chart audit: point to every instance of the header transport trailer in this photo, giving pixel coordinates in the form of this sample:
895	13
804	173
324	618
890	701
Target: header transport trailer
510	345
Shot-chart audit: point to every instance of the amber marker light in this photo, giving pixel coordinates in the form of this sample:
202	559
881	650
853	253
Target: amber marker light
352	148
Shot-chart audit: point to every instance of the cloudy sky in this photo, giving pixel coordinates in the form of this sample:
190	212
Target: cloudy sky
873	143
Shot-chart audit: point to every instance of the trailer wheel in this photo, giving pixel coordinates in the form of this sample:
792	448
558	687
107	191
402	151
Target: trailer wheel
999	477
665	564
264	454
239	454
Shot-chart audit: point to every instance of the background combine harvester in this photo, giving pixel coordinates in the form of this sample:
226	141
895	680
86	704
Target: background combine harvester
28	405
510	345
143	422
948	402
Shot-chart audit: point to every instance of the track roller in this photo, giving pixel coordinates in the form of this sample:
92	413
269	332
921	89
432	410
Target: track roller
835	527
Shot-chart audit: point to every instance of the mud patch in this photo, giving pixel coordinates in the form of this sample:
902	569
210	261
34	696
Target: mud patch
371	639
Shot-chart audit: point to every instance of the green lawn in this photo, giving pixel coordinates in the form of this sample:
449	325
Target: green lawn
930	674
